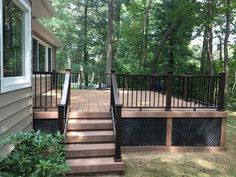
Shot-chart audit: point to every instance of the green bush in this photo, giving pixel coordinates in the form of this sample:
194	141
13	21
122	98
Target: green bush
36	154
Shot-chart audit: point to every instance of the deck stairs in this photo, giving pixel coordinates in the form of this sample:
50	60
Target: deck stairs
90	146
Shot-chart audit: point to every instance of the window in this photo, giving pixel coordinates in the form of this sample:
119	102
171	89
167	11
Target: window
15	42
42	56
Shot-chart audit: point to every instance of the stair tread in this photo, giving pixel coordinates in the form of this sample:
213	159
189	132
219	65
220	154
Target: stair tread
45	115
89	133
87	121
93	161
90	115
97	146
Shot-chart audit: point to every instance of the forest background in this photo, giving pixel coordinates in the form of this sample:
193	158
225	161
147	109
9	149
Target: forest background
148	36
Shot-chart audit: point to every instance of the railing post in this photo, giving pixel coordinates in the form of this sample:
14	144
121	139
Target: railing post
100	80
221	93
69	89
80	80
118	134
61	116
168	91
111	92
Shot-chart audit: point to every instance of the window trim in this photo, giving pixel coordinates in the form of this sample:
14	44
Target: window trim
46	53
19	82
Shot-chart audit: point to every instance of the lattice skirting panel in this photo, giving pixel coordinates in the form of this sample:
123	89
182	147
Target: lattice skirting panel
196	132
143	132
48	126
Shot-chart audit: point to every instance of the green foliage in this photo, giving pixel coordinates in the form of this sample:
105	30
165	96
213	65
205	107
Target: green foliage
191	18
36	154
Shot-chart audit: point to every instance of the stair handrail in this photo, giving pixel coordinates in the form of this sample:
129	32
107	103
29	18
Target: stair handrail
64	106
116	109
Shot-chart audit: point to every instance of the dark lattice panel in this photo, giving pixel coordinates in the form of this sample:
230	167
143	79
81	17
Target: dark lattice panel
196	132
143	132
48	126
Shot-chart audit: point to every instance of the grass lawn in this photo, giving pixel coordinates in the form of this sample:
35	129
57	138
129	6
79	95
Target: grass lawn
154	164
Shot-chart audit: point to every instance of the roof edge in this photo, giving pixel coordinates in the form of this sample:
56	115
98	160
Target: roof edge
46	30
49	7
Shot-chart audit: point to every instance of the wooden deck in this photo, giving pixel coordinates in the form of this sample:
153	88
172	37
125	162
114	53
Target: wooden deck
90	100
99	101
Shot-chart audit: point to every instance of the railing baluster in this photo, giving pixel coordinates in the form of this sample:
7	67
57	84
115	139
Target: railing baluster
40	90
35	90
169	91
46	89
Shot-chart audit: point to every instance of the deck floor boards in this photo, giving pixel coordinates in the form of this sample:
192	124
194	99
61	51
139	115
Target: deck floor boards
99	100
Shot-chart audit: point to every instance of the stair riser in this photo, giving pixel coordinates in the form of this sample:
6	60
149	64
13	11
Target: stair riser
90	127
77	139
96	168
90	153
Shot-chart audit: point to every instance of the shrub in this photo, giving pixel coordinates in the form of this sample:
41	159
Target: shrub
36	154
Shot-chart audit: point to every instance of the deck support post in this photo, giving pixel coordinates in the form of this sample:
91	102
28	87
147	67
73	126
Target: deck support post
169	132
221	92
168	91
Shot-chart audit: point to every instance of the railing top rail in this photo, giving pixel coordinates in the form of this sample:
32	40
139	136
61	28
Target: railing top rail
196	76
137	74
164	75
115	91
46	72
65	88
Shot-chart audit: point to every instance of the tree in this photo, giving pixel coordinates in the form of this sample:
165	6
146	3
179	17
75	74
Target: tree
110	34
85	52
226	40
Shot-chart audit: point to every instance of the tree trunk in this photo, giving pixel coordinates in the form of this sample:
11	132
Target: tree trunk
171	53
220	48
110	46
160	46
117	9
210	37
204	52
234	85
85	42
145	30
226	41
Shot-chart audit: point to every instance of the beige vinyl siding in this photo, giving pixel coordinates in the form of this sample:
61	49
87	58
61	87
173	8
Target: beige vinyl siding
15	114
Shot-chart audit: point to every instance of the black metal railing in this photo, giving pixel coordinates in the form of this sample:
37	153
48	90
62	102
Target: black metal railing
104	80
142	91
64	106
96	80
47	89
169	91
195	91
116	109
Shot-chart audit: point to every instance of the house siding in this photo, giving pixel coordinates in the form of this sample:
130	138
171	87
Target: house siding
15	114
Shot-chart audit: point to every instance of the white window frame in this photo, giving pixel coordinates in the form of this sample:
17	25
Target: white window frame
46	53
19	82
